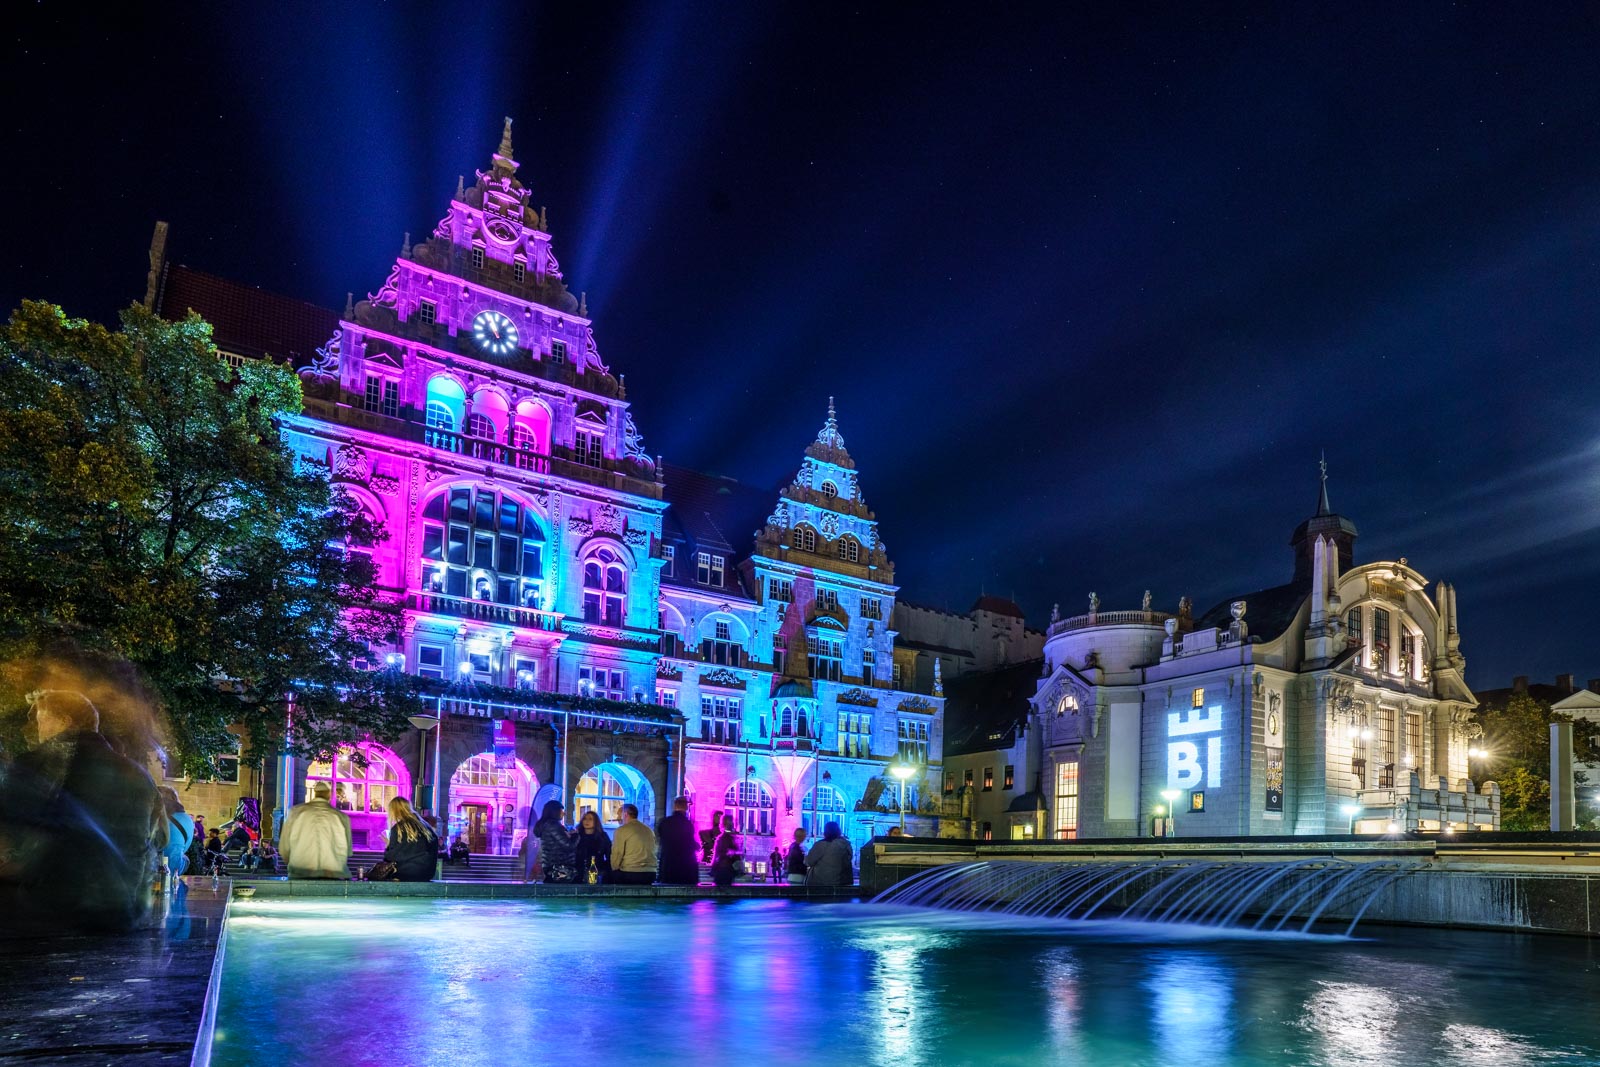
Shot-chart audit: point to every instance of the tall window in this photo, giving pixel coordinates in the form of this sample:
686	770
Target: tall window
1066	801
827	657
477	258
849	549
601	682
708	568
605	588
372	399
720	648
869	663
441	421
558	351
750	803
914	747
780	653
587	448
1412	758
988	779
519	271
1011	777
1352	623
1379	659
719	719
855	734
391	399
828	599
805	538
822	806
669	560
871	608
483	545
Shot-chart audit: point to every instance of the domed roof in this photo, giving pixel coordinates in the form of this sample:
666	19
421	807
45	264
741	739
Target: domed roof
793	687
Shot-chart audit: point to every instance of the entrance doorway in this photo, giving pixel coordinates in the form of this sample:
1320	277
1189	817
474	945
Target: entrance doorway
489	804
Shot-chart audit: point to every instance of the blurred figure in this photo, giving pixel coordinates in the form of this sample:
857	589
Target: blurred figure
727	856
81	826
460	854
413	847
895	831
180	831
774	865
829	860
216	857
794	862
633	850
708	837
679	851
316	838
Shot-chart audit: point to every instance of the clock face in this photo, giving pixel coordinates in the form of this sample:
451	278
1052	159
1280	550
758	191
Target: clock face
1272	722
494	333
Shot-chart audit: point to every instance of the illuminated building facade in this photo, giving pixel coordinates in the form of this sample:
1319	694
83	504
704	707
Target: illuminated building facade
1331	702
589	630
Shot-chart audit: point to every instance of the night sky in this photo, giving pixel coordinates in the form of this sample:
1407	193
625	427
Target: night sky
1093	288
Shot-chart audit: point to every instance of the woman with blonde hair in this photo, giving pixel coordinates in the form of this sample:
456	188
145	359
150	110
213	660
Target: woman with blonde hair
413	847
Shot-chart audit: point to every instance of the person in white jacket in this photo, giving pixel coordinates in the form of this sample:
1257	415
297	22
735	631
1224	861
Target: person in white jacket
316	838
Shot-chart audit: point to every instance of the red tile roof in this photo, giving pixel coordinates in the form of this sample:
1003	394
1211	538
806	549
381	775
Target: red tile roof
245	319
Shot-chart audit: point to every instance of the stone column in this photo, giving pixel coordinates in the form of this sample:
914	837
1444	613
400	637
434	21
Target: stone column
1563	815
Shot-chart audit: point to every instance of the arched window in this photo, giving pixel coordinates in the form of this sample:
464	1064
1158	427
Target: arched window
442	413
750	803
605	588
805	538
484	545
489	802
363	792
829	489
822	806
481	426
604	789
849	549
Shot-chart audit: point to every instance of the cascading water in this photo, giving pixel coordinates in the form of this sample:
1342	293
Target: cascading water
1273	896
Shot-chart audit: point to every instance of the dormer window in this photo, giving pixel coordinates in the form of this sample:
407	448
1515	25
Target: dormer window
708	569
477	258
519	271
428	312
588	448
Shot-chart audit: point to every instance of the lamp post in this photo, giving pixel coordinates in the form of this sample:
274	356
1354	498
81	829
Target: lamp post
902	771
425	724
1171	797
1350	812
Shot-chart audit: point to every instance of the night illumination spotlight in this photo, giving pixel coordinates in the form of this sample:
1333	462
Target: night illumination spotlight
465	668
1394	828
1169	795
902	771
1354	733
1350	810
393	659
1366	735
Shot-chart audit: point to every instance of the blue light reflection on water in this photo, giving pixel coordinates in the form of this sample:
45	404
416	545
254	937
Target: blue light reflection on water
353	982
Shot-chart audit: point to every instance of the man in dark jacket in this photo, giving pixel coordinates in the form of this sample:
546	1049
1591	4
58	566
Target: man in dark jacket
83	823
675	838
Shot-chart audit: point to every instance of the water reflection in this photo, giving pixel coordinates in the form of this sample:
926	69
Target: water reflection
1353	1021
1192	1005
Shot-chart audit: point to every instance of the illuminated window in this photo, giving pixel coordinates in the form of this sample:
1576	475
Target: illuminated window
588	448
720	719
1197	699
601	682
988	779
1066	801
869	663
750	803
605	587
828	599
477	258
805	538
356	788
1379	658
669	559
484	546
822	806
428	312
604	789
1197	800
871	608
898	673
855	734
667	698
1011	777
988	832
849	549
708	568
441	421
430	661
827	657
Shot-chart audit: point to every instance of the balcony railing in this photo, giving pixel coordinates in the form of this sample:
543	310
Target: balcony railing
485	449
1110	618
484	611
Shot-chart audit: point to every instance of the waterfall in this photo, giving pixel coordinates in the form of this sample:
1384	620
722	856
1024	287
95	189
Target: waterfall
1238	894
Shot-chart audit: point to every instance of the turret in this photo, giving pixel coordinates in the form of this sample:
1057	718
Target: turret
1338	530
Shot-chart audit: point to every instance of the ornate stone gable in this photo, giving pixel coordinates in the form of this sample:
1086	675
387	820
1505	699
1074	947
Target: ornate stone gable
858	697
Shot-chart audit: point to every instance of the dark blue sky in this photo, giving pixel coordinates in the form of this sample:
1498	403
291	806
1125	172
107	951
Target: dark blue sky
1093	288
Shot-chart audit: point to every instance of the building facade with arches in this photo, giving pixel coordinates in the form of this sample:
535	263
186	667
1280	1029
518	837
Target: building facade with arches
591	626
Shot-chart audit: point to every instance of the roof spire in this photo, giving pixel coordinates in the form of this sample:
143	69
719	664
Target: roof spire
829	436
505	140
1323	507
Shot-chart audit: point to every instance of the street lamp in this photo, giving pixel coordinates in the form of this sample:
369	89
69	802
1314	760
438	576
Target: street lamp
1350	812
1171	797
425	723
902	771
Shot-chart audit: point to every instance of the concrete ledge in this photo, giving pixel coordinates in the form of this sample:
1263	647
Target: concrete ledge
278	888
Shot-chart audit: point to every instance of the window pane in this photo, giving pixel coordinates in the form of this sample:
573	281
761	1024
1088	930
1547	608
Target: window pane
433	542
510	516
460	504
458	544
483	551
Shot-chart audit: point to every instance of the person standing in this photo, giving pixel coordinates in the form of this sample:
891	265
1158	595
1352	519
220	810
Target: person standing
592	848
316	838
727	857
556	853
794	863
774	865
708	837
828	862
413	848
680	853
633	850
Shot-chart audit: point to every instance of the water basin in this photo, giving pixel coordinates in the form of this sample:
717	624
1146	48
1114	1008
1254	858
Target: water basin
342	981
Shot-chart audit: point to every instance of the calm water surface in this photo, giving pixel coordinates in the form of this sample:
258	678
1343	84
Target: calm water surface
343	982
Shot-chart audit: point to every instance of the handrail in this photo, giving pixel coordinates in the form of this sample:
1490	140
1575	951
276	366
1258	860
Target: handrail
1109	618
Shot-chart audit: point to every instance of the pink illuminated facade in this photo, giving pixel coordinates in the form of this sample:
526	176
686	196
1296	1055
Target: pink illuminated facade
589	635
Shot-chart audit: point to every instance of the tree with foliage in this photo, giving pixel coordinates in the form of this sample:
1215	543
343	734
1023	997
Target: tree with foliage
1517	738
156	518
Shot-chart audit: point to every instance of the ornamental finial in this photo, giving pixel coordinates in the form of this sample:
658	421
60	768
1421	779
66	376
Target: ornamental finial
505	140
829	436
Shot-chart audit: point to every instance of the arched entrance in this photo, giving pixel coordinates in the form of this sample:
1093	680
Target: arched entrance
489	804
606	788
363	792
